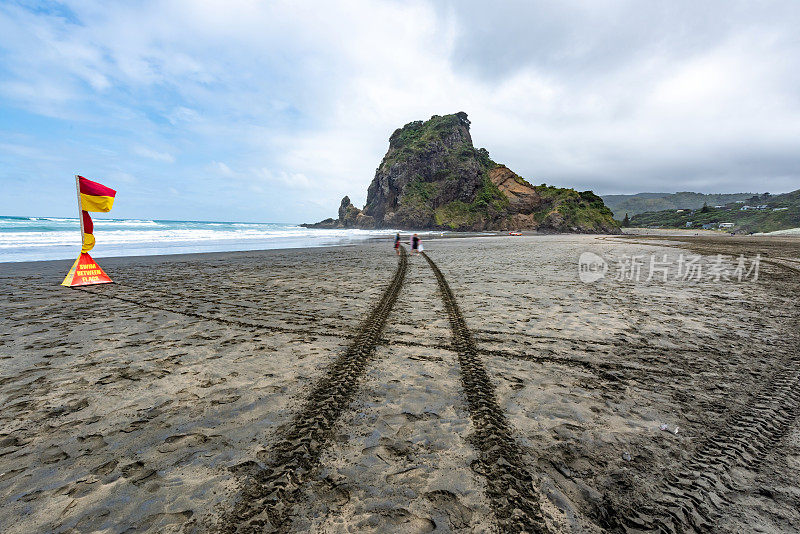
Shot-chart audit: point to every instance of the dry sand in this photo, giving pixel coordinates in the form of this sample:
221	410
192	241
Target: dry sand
162	402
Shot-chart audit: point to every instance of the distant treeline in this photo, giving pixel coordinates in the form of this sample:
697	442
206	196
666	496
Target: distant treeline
756	213
644	202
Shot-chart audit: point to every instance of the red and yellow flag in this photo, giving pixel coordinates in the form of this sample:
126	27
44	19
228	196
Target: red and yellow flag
94	196
88	232
91	197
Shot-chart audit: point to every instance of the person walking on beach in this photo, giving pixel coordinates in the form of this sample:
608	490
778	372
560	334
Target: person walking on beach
397	244
415	244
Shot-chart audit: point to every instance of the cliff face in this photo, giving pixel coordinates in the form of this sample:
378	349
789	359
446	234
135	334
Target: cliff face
433	177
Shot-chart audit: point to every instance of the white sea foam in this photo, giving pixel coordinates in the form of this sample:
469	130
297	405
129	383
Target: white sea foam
39	238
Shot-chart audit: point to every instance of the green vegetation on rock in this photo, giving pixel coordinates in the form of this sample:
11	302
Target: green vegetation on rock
489	201
586	211
455	215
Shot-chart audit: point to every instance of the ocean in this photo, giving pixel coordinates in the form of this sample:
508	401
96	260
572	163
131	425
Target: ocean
52	238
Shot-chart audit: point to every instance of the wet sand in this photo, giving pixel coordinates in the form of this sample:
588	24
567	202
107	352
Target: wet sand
162	403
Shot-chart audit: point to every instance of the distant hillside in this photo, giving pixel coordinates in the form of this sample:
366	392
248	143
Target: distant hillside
644	202
758	213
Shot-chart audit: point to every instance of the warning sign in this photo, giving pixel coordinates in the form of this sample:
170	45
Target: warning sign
85	272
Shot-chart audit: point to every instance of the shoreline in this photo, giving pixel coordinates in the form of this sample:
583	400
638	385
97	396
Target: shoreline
627	233
344	244
299	244
177	256
224	251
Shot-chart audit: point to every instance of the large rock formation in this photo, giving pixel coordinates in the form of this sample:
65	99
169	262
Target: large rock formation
432	177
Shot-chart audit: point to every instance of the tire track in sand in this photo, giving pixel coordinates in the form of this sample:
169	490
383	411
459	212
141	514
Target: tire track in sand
509	486
270	492
692	498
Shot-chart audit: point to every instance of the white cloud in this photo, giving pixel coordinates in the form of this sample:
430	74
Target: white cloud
183	115
145	152
222	169
25	151
259	177
124	177
293	180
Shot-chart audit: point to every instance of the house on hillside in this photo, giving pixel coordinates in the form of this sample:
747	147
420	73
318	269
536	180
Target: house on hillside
726	225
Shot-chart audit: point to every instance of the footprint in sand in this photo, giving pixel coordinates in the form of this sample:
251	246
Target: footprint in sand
398	520
448	503
400	418
10	474
105	469
134	426
137	473
92	442
53	454
407	476
333	493
7	441
226	399
157	522
516	383
182	441
387	446
80	488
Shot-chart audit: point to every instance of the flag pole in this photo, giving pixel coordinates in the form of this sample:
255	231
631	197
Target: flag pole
80	211
88	272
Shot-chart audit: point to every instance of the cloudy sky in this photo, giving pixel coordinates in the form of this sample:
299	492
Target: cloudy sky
272	111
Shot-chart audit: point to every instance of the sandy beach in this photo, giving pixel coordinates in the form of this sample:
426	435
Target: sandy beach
485	388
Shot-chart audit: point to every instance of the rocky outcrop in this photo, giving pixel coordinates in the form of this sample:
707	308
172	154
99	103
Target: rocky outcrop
348	214
432	177
349	217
